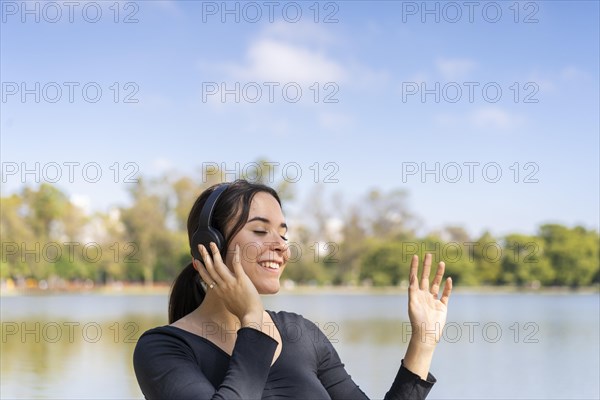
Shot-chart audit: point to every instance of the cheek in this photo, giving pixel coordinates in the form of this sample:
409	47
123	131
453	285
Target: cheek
229	257
250	251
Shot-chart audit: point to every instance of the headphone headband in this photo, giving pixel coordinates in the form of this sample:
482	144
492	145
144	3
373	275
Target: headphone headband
205	219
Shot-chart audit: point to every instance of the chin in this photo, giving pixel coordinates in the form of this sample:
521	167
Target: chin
271	289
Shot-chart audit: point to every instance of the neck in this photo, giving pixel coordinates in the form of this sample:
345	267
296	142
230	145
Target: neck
212	310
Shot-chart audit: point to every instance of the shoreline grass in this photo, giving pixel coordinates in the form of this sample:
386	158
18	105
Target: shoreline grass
164	289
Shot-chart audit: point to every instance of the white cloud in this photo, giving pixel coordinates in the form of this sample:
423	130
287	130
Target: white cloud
274	60
304	53
283	52
455	68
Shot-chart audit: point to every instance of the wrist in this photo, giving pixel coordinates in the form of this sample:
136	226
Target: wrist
422	344
425	337
252	320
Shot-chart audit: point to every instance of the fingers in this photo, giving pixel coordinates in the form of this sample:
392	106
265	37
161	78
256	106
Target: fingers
414	269
237	264
437	280
211	274
447	291
202	271
219	264
426	270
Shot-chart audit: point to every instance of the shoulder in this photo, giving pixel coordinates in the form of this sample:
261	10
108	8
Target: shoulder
286	317
168	363
163	340
295	327
160	349
164	333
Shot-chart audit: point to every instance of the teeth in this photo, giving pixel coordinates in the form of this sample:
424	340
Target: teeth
269	264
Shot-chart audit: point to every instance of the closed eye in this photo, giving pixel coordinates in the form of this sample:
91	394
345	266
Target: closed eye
264	233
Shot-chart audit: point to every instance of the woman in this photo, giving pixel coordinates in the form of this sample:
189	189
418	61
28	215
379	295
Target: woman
221	343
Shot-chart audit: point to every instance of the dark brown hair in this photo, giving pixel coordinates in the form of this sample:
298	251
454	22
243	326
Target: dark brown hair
229	217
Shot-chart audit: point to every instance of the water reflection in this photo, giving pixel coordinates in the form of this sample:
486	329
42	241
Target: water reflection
64	358
496	346
73	346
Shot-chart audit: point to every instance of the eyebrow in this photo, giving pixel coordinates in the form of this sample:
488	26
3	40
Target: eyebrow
266	220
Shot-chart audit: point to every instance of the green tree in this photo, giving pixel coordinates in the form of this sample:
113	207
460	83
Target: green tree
145	227
43	221
43	208
486	253
384	263
185	191
353	245
572	253
454	254
14	231
305	264
524	263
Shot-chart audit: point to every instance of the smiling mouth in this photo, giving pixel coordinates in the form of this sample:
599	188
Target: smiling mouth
270	265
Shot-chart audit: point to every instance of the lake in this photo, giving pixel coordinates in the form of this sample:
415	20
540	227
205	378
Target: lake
526	346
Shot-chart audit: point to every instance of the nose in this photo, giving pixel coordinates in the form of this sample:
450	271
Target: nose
277	244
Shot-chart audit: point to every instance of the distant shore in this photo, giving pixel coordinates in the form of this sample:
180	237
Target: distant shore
163	289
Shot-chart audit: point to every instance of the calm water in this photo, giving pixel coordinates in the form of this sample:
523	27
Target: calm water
495	346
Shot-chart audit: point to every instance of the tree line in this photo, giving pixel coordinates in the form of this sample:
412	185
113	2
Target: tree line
45	237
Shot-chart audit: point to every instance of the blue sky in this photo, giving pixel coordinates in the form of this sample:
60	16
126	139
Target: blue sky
538	115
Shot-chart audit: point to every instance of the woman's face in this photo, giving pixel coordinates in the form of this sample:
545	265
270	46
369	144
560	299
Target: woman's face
263	246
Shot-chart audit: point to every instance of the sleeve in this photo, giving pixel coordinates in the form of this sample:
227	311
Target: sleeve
339	384
166	368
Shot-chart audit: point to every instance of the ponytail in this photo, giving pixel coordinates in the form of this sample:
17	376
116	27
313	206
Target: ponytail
186	294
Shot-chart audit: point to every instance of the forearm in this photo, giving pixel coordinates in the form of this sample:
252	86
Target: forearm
418	357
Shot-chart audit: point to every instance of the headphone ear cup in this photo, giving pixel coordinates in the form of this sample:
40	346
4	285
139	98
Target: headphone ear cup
205	233
204	237
218	239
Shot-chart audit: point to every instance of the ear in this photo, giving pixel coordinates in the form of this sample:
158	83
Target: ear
195	264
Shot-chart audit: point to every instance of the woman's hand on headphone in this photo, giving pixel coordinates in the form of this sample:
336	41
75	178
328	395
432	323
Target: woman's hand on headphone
236	290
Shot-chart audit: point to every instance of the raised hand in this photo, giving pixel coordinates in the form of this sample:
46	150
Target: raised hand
427	313
235	289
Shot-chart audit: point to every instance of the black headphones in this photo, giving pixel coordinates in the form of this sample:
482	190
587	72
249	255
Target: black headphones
205	233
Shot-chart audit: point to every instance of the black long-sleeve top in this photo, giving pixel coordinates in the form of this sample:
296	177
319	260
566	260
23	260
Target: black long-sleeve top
172	363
